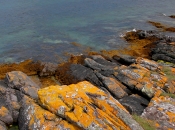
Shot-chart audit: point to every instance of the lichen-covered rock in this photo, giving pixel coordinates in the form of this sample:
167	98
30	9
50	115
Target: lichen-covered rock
9	105
139	78
20	81
149	64
113	86
134	103
34	117
161	110
87	107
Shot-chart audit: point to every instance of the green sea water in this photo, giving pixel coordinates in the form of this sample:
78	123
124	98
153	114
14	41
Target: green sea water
44	30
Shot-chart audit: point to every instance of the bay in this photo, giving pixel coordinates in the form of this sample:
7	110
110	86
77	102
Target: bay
44	30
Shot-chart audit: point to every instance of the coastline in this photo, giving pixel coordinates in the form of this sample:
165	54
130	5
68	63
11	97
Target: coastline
117	84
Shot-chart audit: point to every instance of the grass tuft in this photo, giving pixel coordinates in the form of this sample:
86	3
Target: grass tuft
146	124
168	94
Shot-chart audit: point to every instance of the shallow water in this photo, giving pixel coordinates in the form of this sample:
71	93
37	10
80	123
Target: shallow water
43	30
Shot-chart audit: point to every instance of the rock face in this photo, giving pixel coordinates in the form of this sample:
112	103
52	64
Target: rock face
114	86
81	73
138	77
87	107
161	110
164	51
134	103
100	94
33	117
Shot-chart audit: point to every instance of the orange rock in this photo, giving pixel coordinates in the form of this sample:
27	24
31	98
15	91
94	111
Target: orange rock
173	70
87	107
3	111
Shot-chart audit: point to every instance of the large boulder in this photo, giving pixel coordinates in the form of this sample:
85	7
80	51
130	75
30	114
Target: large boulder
161	110
20	81
87	107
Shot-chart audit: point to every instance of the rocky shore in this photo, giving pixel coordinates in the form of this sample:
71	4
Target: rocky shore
130	91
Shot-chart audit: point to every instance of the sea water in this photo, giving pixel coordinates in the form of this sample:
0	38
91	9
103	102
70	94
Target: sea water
44	30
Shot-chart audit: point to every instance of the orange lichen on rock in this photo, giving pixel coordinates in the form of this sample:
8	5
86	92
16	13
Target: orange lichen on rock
161	109
39	118
86	106
144	76
3	111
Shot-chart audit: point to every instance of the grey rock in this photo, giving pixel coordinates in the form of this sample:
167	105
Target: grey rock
20	81
48	69
124	59
135	104
3	126
80	73
113	86
9	104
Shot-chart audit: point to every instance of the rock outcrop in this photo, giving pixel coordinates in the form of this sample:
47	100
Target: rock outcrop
95	91
87	107
161	110
20	81
143	76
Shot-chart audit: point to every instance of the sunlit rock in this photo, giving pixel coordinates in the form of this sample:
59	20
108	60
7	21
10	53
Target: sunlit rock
87	107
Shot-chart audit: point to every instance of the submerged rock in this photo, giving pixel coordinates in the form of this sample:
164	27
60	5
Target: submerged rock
87	107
